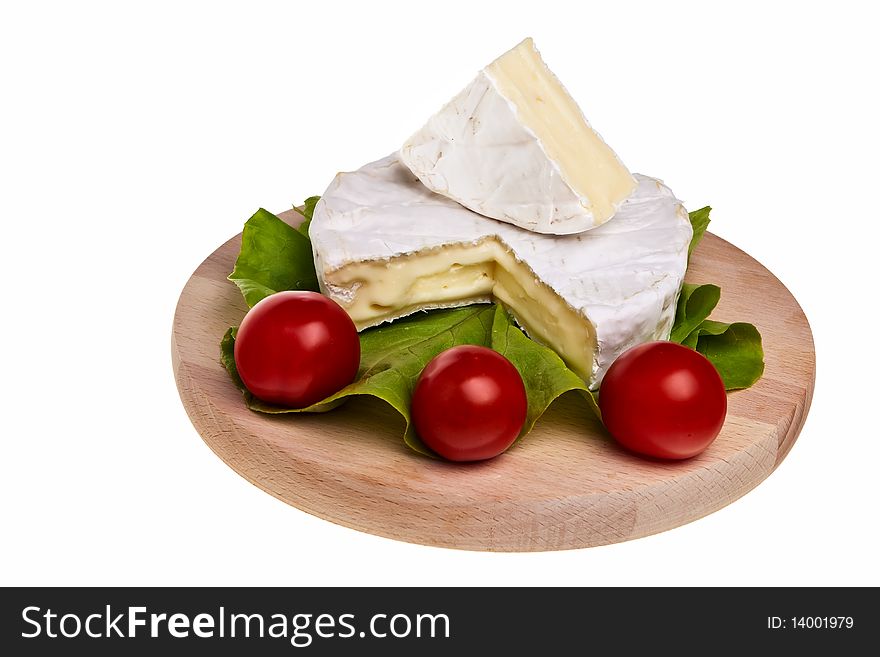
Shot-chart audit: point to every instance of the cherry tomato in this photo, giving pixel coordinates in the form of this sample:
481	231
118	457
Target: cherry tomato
469	404
664	400
296	348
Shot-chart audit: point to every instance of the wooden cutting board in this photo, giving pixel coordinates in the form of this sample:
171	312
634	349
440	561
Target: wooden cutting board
566	485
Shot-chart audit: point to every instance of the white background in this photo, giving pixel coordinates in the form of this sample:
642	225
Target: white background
135	139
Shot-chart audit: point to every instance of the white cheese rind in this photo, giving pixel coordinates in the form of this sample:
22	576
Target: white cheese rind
477	153
480	150
621	279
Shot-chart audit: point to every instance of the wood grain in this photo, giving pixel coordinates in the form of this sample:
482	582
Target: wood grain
566	485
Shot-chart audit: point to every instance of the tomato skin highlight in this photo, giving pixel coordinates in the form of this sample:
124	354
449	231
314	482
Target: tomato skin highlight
469	404
663	400
296	348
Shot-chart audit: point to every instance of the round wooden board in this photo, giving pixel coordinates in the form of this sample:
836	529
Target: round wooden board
566	485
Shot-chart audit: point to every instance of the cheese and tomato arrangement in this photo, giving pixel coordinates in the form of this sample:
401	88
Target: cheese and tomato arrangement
503	256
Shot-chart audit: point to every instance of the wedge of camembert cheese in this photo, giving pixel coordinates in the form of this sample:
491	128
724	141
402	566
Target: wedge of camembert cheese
514	146
385	246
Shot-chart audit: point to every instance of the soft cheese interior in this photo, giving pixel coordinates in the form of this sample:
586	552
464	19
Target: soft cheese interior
385	246
546	108
461	274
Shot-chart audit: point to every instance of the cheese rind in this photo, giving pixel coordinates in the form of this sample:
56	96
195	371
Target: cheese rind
514	146
385	247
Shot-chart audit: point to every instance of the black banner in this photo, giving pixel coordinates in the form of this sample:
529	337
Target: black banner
319	621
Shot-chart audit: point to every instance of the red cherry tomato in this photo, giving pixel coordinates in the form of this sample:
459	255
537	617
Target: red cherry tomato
664	400
469	404
296	348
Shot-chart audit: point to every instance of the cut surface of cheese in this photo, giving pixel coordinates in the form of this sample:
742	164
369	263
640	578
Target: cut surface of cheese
385	246
514	146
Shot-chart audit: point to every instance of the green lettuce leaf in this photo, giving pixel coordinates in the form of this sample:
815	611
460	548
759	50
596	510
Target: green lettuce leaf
307	211
734	349
273	257
699	222
394	355
695	303
544	374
